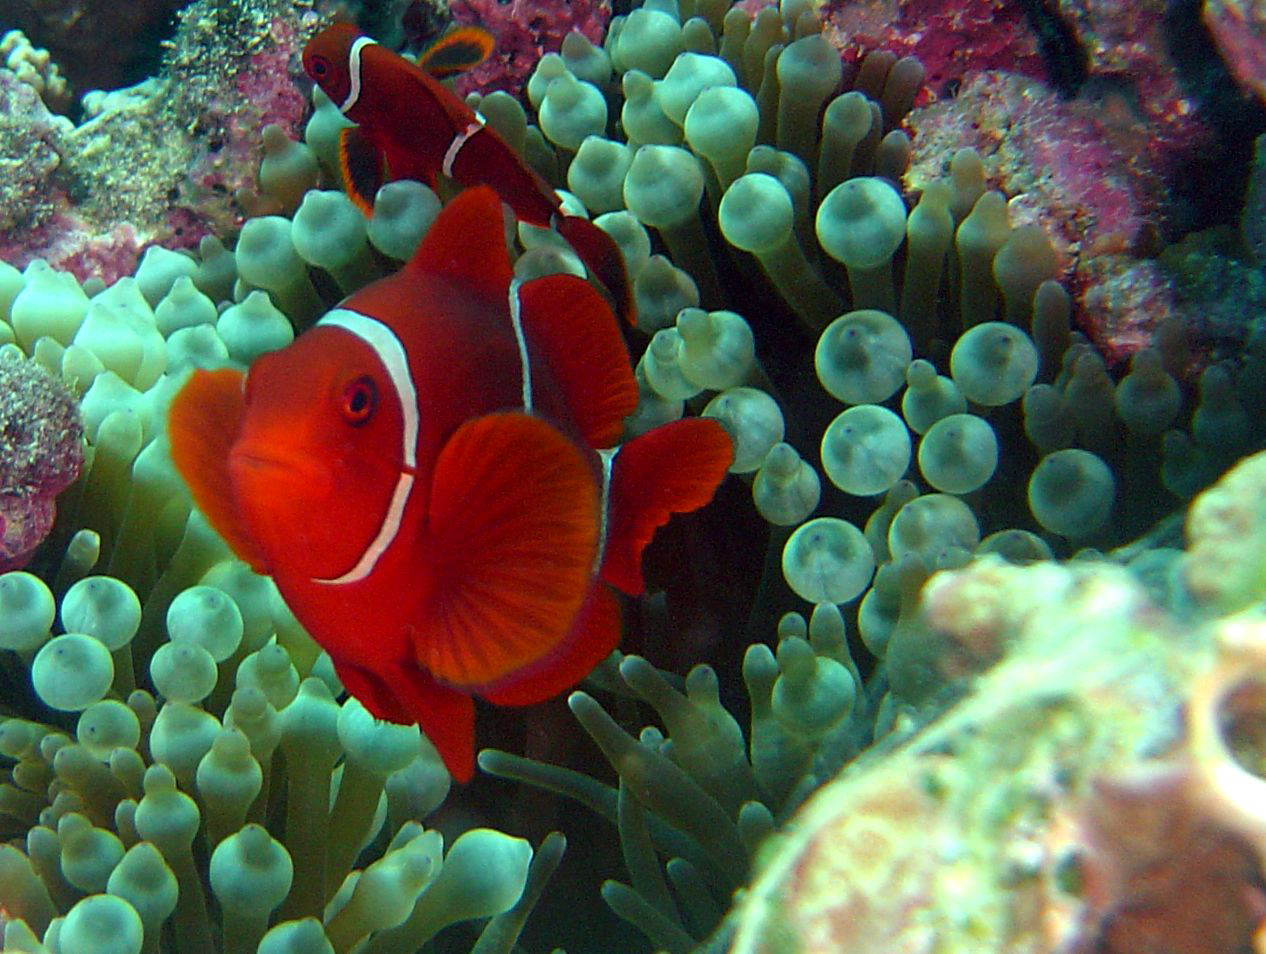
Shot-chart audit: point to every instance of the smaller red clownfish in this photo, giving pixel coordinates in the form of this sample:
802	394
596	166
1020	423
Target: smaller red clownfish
408	126
430	476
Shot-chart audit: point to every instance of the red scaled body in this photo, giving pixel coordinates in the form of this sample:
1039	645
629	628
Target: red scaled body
407	121
428	474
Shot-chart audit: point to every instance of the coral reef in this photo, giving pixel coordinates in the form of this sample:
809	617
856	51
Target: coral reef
1239	29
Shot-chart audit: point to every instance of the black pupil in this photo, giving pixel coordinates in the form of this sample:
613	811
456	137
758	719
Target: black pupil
360	400
319	68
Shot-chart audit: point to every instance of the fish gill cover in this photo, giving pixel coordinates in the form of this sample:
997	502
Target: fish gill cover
974	287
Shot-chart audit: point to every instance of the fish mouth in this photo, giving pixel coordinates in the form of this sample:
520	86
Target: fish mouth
274	464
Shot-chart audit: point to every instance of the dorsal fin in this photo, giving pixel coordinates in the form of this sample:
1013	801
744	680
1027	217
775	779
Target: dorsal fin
457	51
574	332
467	241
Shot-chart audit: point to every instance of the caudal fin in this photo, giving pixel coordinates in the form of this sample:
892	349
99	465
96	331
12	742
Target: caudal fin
602	256
675	468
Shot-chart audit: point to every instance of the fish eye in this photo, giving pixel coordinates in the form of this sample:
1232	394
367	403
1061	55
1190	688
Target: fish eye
320	66
360	398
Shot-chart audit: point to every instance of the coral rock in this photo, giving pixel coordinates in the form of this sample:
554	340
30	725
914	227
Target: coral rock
41	452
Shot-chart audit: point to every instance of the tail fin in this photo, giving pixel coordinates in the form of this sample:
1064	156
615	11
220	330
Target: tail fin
675	468
603	257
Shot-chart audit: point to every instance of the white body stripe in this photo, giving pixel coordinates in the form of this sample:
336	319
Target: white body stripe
454	147
387	347
608	464
516	322
353	72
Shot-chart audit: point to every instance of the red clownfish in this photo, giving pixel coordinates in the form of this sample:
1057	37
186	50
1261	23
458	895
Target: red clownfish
430	476
415	128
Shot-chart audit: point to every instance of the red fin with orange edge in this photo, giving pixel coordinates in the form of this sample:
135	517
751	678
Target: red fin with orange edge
675	468
361	166
603	257
513	536
593	636
467	241
573	330
202	424
457	51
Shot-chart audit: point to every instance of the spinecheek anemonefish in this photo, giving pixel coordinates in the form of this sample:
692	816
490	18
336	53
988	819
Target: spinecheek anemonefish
408	126
430	475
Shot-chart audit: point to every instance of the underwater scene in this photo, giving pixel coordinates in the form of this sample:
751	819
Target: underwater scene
608	477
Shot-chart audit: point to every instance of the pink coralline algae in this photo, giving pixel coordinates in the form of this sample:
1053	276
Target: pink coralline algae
1125	42
525	31
1056	164
41	453
1238	28
950	39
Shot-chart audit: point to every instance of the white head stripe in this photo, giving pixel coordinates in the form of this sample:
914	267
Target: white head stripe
608	463
516	322
386	534
353	72
392	355
454	147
